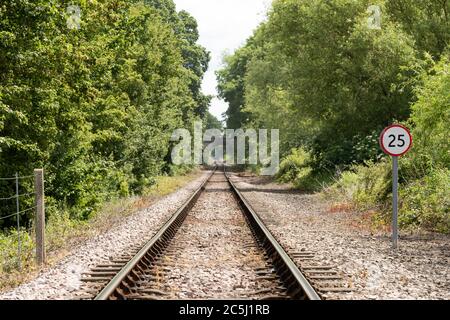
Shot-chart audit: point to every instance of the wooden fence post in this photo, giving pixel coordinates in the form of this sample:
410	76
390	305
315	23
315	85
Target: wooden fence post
40	215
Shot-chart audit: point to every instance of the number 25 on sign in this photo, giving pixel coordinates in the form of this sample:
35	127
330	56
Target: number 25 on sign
395	140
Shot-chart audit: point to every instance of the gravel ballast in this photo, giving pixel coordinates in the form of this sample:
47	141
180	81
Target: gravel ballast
215	255
62	280
419	269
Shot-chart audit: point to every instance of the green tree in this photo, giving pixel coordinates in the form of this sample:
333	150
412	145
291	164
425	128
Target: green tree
95	106
431	115
231	84
320	74
212	122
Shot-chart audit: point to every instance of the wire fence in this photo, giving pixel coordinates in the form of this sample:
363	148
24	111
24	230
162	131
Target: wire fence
14	178
18	210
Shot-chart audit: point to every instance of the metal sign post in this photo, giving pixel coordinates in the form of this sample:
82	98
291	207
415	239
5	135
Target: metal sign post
395	202
395	140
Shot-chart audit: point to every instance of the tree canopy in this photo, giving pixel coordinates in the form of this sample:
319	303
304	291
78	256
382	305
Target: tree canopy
95	106
317	71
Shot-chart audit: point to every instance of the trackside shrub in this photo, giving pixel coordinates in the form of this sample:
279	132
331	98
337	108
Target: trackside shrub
298	168
294	165
425	202
9	257
367	186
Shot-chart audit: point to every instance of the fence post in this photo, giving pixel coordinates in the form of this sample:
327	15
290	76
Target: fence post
19	253
40	215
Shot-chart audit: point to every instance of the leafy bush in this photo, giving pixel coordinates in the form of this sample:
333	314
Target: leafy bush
297	168
293	165
423	202
425	195
367	186
179	170
366	148
9	258
59	228
426	202
431	116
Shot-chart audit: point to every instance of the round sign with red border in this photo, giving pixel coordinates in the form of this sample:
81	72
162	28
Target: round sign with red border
396	140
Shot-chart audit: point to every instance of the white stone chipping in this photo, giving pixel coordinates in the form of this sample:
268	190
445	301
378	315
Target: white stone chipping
419	269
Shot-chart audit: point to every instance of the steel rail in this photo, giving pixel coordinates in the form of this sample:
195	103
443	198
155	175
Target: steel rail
298	286
123	276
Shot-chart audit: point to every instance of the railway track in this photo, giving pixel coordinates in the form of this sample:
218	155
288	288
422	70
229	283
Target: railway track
215	246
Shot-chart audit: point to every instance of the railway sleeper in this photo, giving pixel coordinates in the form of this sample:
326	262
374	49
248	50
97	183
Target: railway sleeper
334	289
317	267
97	269
96	279
326	278
267	278
329	273
153	292
100	273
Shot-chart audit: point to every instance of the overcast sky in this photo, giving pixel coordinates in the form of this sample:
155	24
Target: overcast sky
224	25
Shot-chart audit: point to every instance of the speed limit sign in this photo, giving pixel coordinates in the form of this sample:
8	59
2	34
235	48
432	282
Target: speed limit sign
395	140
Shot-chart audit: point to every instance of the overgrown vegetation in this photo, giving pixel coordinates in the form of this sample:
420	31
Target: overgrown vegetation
316	71
95	106
297	167
367	186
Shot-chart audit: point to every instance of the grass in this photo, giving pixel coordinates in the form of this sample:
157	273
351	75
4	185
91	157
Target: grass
63	234
423	200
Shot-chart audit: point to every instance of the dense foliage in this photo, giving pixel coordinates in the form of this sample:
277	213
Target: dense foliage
330	83
315	69
212	122
94	106
427	169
